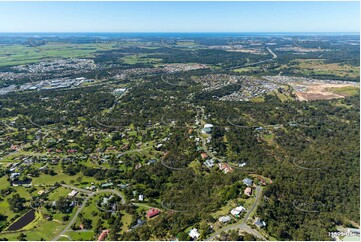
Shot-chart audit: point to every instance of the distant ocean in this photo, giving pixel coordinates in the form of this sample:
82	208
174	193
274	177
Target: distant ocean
174	34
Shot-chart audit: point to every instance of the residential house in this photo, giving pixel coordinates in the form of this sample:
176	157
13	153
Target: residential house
73	193
103	235
247	181
225	167
236	211
106	185
152	212
193	233
151	162
209	163
224	219
259	223
14	175
204	155
139	223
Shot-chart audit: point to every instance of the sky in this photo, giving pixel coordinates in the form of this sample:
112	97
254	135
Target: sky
180	16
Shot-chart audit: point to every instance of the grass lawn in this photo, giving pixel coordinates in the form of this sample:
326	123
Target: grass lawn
59	192
140	58
25	54
50	180
269	138
84	235
345	91
4	183
259	99
126	219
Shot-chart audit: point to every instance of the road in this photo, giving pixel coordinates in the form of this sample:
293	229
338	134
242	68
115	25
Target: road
90	194
242	225
274	56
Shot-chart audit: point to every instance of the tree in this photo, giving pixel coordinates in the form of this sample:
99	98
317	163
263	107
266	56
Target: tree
21	237
16	203
183	236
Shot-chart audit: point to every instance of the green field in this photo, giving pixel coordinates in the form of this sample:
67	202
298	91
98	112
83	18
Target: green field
318	67
345	91
26	54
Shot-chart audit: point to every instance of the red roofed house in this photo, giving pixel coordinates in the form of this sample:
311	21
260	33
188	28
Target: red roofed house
204	155
103	235
152	212
225	167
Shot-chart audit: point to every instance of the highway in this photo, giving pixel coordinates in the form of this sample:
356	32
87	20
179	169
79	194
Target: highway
274	56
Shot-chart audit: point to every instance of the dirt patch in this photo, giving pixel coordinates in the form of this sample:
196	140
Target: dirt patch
320	91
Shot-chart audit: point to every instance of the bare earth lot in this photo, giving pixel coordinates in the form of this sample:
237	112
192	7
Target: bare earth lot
324	91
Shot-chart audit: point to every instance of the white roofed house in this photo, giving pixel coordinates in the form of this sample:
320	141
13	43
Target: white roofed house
209	163
224	219
193	233
236	211
72	193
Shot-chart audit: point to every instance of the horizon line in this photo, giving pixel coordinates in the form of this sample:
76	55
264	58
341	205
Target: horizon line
175	32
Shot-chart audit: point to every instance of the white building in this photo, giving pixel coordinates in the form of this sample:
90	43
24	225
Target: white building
236	211
72	193
194	233
208	126
141	197
224	219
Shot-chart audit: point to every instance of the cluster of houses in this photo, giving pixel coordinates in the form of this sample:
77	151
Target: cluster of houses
15	169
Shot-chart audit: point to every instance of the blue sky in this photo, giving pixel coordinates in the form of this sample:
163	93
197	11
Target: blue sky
179	16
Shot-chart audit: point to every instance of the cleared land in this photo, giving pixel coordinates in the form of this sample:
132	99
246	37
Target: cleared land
318	67
327	91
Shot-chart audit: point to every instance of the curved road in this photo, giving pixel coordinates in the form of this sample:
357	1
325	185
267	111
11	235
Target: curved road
274	56
90	194
242	225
